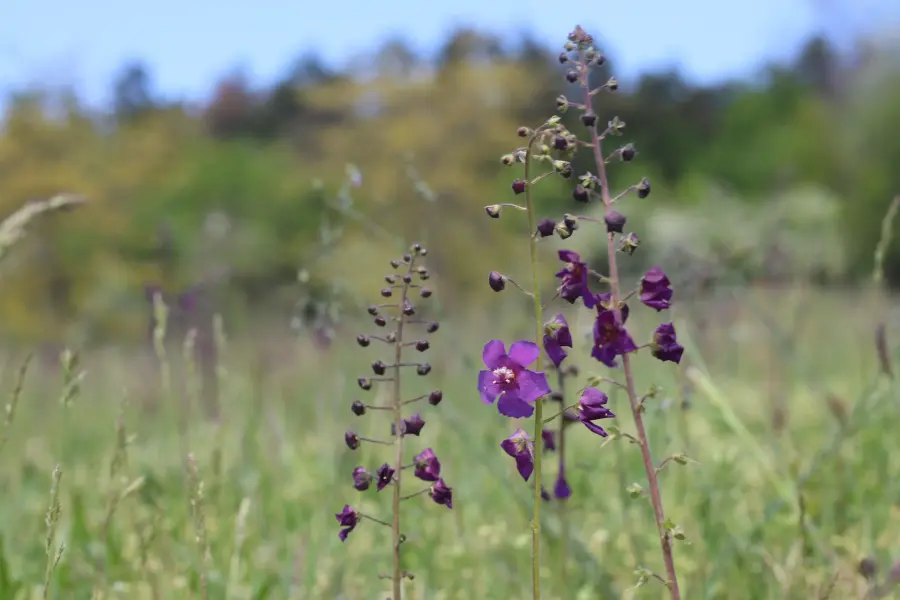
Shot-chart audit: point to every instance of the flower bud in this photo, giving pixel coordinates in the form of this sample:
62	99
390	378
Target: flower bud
387	293
422	345
361	479
643	188
379	367
380	321
493	211
363	340
560	142
390	279
508	159
524	132
423	369
432	327
627	153
395	263
358	408
408	309
615	221
435	397
407	278
425	293
518	186
562	104
563	58
629	243
364	383
612	84
351	439
572	76
497	281
570	222
563	232
580	194
545	227
373	310
589	119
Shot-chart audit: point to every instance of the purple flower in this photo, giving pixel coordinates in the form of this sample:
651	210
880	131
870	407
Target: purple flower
427	465
574	279
351	439
611	339
665	344
361	479
557	335
413	425
521	448
655	289
385	475
442	493
348	519
561	490
549	440
592	407
507	378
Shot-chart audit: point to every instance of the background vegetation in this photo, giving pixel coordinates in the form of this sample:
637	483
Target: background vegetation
268	207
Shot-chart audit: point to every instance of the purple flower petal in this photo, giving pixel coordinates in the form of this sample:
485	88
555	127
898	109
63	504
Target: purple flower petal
525	465
533	385
493	354
489	390
511	405
524	352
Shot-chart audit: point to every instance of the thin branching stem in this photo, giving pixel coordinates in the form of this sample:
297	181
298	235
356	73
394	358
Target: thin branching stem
633	400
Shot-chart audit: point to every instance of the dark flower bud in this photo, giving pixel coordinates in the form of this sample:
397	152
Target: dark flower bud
524	132
380	321
385	474
391	337
497	281
560	142
580	194
589	119
508	159
518	186
407	278
868	568
390	279
493	211
643	188
572	76
629	243
361	479
422	345
386	292
615	221
379	367
627	153
425	293
408	309
563	58
363	340
407	258
435	397
556	396
423	369
612	84
432	327
395	263
364	383
597	61
351	439
545	227
417	248
413	425
562	104
358	408
570	222
545	495
373	310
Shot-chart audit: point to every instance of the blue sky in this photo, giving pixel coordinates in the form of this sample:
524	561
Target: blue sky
188	43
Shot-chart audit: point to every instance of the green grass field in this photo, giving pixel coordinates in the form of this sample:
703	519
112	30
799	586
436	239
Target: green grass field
780	402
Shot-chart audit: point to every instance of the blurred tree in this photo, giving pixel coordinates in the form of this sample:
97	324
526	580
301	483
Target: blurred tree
133	92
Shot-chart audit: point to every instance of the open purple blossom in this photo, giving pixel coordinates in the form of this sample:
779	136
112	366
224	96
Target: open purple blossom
665	346
655	289
508	379
348	519
427	465
361	479
413	424
521	448
557	336
385	474
574	278
442	493
611	339
549	440
592	407
561	490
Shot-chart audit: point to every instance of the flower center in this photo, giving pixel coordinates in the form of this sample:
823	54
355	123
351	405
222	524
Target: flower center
504	376
608	333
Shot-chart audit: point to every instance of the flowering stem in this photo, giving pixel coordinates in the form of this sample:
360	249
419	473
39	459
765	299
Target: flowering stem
539	403
561	502
563	411
636	409
397	404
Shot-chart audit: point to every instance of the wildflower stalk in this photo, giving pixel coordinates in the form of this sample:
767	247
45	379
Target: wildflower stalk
539	403
633	399
563	505
397	405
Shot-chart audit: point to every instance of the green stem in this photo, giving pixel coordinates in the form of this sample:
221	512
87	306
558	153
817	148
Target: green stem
539	403
562	503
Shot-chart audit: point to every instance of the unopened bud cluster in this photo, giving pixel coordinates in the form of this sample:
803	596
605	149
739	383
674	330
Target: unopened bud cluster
406	335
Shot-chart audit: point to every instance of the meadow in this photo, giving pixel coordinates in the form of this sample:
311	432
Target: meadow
781	403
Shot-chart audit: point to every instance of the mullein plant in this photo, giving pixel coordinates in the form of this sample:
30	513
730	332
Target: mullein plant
398	316
507	380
